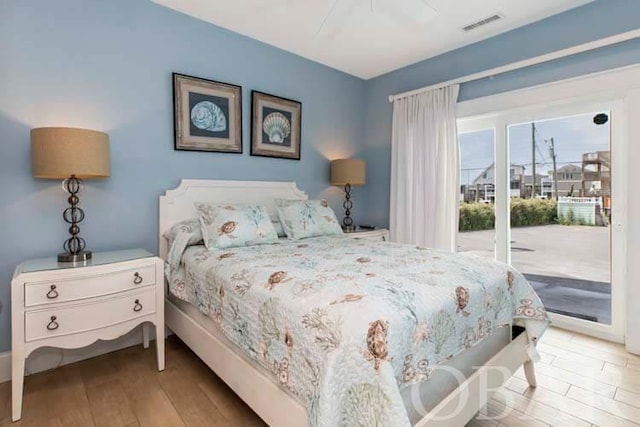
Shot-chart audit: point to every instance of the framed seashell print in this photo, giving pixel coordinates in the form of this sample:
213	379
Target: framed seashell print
207	115
275	126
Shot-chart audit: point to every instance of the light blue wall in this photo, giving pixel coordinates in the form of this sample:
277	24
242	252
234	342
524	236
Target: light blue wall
590	22
107	65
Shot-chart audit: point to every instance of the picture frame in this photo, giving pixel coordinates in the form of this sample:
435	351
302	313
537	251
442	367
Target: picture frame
276	126
207	115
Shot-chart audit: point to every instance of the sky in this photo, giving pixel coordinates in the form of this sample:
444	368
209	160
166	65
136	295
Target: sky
573	137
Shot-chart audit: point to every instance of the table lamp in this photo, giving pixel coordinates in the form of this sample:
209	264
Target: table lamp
72	155
348	173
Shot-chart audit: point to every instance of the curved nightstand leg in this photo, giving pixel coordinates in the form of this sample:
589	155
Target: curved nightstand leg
17	383
160	345
530	373
145	335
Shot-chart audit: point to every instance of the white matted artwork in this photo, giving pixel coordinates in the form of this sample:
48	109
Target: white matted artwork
275	126
207	115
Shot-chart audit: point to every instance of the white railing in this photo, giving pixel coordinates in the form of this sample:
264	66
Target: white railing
579	209
578	200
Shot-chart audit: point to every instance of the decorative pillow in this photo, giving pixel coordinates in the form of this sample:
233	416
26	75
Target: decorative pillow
180	236
307	218
227	226
188	229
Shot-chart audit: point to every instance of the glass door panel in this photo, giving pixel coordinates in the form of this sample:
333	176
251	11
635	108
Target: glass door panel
560	212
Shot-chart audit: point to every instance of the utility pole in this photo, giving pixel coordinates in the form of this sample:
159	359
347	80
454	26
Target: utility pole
555	170
533	160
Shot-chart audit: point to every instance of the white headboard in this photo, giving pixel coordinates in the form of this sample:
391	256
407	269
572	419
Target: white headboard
177	205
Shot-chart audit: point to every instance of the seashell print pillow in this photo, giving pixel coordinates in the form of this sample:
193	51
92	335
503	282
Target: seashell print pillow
189	229
228	226
182	235
307	218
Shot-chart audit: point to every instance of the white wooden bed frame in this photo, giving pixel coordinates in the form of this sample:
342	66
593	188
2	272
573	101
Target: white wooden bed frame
275	406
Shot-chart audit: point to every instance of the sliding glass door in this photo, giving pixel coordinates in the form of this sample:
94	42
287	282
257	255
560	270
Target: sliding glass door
550	180
560	219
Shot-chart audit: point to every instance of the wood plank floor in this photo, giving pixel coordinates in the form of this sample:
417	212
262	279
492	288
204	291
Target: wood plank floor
582	381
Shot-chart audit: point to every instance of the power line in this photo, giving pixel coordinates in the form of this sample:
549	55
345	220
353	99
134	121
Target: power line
541	155
524	164
535	143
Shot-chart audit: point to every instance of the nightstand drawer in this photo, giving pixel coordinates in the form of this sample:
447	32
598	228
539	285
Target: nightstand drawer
76	318
87	287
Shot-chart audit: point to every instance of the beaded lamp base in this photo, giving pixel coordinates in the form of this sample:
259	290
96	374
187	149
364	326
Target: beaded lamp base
347	221
73	215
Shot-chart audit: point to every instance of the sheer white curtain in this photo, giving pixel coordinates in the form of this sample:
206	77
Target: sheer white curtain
425	169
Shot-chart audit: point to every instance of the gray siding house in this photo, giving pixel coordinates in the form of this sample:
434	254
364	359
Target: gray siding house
569	180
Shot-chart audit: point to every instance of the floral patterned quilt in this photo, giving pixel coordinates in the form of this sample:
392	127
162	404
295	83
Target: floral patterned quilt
345	324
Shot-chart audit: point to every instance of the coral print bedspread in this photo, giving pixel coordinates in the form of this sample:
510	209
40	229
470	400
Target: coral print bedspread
345	324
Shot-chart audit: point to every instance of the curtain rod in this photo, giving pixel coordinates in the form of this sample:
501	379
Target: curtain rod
607	41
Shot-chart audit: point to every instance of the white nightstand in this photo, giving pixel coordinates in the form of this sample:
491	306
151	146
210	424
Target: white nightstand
71	306
379	234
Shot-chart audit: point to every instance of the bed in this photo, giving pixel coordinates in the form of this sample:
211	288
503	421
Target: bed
329	330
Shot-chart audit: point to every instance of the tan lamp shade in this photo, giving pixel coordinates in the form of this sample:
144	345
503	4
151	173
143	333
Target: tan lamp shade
348	171
58	153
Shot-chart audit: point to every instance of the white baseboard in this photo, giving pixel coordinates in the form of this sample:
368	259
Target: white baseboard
47	358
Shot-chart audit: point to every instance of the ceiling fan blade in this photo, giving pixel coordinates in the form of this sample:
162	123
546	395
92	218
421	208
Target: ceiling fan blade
336	18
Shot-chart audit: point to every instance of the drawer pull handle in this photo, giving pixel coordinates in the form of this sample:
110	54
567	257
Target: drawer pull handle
137	307
137	278
53	325
53	293
384	238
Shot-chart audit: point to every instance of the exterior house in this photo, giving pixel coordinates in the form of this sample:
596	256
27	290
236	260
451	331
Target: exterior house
482	188
596	174
542	186
569	181
592	178
516	180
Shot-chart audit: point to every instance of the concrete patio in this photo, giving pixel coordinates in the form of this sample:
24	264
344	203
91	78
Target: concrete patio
567	265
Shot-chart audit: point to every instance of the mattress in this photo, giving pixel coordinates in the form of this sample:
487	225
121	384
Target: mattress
355	328
428	393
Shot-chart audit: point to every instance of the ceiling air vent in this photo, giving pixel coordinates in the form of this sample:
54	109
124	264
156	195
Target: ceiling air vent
484	21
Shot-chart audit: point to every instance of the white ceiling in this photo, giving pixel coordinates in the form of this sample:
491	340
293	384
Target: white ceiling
368	38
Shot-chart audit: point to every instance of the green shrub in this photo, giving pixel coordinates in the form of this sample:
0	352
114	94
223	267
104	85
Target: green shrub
528	212
524	213
476	216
